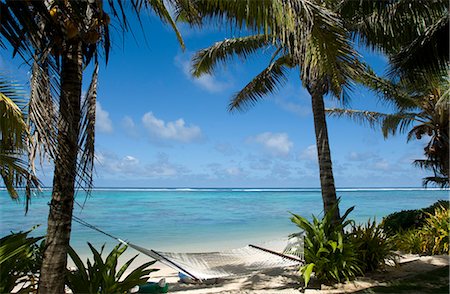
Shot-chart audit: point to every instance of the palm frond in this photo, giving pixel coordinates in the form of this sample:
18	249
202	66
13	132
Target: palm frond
205	60
441	182
443	104
426	164
42	110
394	26
14	134
268	81
276	18
386	89
13	171
327	55
397	122
371	118
418	131
428	52
12	125
159	7
87	133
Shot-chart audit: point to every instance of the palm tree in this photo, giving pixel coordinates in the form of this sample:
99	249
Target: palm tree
415	37
422	109
62	38
414	34
14	139
314	42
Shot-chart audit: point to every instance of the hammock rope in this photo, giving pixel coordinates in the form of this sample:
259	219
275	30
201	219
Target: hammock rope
221	264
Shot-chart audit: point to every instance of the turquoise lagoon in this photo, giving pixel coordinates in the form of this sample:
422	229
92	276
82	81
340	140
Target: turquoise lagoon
203	219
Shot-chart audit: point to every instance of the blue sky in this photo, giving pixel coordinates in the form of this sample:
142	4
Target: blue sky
159	127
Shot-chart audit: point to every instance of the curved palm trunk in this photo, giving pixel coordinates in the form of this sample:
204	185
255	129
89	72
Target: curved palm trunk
53	269
323	151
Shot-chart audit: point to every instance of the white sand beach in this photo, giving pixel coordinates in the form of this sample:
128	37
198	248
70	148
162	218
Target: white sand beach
287	280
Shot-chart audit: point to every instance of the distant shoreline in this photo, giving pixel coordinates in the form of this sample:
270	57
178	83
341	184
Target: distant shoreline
252	189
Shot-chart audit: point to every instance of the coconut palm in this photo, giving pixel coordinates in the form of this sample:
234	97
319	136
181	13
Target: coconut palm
317	46
60	39
415	37
422	110
14	139
414	34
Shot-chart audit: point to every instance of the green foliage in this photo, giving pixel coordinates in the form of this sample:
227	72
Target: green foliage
435	232
328	252
20	261
408	241
431	238
101	276
373	247
409	219
14	136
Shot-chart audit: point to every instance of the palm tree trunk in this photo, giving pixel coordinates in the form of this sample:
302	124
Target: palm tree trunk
54	263
323	151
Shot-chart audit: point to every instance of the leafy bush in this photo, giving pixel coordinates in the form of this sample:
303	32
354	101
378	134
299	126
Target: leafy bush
409	219
409	241
102	276
432	238
435	232
373	247
20	261
327	251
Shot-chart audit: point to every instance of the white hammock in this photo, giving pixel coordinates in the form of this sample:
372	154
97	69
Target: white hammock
234	262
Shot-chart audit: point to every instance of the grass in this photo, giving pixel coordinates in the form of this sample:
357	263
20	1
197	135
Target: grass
435	281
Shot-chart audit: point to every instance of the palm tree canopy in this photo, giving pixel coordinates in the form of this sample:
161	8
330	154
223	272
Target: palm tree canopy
414	34
318	44
39	32
14	138
422	109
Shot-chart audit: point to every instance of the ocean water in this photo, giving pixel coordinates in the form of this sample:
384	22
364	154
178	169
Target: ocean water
203	219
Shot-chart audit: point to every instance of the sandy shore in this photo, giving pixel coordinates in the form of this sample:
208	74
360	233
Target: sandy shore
287	280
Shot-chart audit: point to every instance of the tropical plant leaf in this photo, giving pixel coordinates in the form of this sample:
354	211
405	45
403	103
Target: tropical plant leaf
206	60
307	273
371	118
268	81
87	133
19	262
100	276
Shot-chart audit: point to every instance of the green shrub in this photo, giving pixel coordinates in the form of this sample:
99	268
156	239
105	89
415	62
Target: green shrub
327	251
20	261
432	238
101	276
373	247
435	232
409	219
409	241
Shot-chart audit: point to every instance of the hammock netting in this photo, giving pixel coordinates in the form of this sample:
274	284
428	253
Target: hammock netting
233	262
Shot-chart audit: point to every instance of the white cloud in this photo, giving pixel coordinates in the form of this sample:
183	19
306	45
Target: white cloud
225	172
206	81
163	168
173	130
310	153
275	143
127	122
234	171
110	163
129	126
382	165
129	166
355	156
102	121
